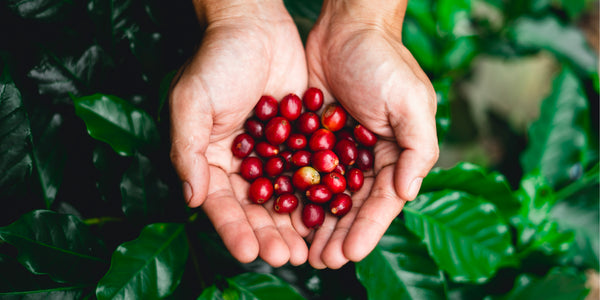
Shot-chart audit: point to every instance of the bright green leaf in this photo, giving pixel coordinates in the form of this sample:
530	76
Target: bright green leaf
211	293
148	267
142	190
463	234
558	284
400	268
421	11
461	52
558	140
420	44
477	181
119	123
454	16
58	245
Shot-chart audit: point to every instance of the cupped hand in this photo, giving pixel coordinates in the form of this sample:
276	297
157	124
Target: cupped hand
246	52
365	67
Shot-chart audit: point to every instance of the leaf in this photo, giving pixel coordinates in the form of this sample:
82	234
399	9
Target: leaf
442	115
39	9
308	9
58	245
252	286
112	19
141	189
558	140
461	53
117	122
148	267
565	41
454	17
558	284
421	11
420	44
400	268
477	181
16	161
464	234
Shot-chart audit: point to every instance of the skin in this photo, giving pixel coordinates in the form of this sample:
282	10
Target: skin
355	55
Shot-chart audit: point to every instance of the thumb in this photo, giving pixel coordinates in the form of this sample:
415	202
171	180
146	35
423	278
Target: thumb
191	124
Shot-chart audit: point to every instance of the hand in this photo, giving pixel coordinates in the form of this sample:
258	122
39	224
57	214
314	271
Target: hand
356	56
250	48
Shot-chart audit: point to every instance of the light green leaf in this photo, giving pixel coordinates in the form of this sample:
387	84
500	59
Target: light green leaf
558	140
464	234
400	268
58	245
149	267
117	122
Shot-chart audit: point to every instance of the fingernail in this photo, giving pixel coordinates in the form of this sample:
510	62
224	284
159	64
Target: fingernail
415	186
187	192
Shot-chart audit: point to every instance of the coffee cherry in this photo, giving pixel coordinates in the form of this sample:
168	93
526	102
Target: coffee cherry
266	108
264	149
274	166
308	122
287	156
355	179
364	160
318	193
346	151
242	145
335	182
305	177
255	128
325	161
322	139
334	117
290	107
296	141
285	203
260	190
313	215
340	169
364	136
340	205
283	185
277	130
313	99
301	158
251	168
345	134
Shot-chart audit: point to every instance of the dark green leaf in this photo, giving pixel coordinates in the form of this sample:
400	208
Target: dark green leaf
558	140
39	9
420	44
148	267
566	42
400	268
463	234
558	284
442	115
112	19
58	245
16	161
119	123
307	9
477	181
211	293
142	189
259	286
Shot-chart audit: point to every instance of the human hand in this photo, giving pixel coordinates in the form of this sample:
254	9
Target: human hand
249	49
355	55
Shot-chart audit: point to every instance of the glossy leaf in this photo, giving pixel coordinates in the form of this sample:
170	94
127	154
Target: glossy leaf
253	286
477	181
58	245
142	189
38	9
442	115
112	19
420	44
566	42
464	234
148	267
117	122
558	140
16	161
400	268
558	284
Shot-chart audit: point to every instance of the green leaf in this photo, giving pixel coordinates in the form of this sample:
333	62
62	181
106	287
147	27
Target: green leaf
16	161
477	181
112	19
420	44
558	284
39	9
558	140
117	122
400	268
211	293
464	234
461	53
148	267
252	286
58	245
442	115
422	12
308	9
141	189
565	41
454	16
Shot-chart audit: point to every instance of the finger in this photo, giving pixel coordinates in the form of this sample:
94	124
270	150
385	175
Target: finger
417	137
374	217
233	227
189	139
320	239
295	242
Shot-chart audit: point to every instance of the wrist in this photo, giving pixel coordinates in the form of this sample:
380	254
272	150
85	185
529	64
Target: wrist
209	11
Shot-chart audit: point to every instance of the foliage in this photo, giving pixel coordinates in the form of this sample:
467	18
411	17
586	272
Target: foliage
84	168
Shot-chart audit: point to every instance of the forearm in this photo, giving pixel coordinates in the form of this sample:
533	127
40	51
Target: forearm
209	11
384	14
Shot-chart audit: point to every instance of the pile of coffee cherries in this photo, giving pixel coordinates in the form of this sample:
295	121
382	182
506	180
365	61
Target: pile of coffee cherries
321	158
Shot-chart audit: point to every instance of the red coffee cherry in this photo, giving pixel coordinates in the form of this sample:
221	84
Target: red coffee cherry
260	190
334	117
242	145
290	107
335	181
287	156
277	130
285	203
305	177
322	139
313	99
364	136
283	185
301	158
313	215
325	161
251	168
255	128
346	151
318	193
340	169
264	149
266	108
340	205
274	166
364	159
296	141
308	122
355	179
